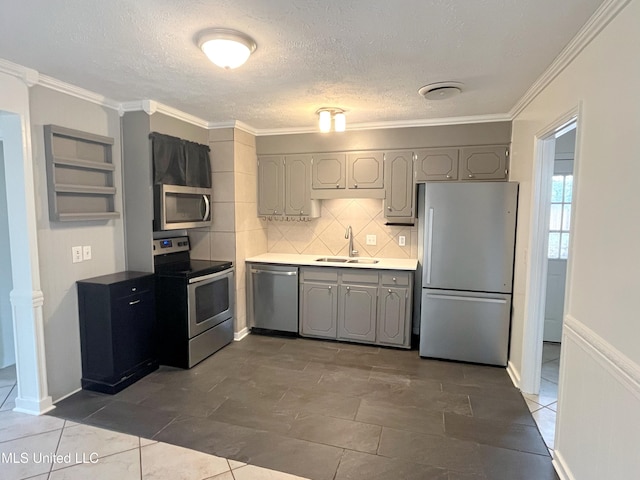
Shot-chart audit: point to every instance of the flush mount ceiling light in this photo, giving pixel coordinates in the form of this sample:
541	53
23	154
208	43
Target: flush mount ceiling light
327	114
226	48
440	90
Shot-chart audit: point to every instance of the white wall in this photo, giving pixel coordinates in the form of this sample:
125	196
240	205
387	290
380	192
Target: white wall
598	421
55	239
7	350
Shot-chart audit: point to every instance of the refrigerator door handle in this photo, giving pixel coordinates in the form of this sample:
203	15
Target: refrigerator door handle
468	299
429	244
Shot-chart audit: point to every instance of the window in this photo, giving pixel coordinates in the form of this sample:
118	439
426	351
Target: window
560	218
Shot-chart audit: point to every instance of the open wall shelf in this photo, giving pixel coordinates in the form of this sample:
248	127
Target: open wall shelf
79	175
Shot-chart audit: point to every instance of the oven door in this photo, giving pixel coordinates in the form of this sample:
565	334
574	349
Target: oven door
210	300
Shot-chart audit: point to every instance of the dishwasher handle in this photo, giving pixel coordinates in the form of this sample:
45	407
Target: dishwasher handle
275	272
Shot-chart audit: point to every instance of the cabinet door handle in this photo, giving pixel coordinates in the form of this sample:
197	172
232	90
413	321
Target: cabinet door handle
395	279
337	185
329	287
389	208
355	186
471	176
134	302
348	288
389	290
448	176
133	289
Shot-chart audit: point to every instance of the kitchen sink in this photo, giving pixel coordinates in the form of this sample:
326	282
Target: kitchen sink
331	259
369	261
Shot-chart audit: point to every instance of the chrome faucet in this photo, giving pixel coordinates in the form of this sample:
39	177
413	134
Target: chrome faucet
349	234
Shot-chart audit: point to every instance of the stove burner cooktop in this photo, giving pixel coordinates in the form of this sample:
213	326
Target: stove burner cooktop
192	268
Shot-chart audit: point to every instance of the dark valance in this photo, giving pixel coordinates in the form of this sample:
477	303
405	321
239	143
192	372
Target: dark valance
180	162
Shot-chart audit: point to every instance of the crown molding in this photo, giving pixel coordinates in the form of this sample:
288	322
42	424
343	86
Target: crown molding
598	21
151	106
494	117
233	124
28	75
78	92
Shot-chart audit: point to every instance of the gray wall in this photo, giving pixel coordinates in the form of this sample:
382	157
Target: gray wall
495	133
7	349
58	274
138	179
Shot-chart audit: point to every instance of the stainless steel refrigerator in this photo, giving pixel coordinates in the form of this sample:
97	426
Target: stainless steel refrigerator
467	270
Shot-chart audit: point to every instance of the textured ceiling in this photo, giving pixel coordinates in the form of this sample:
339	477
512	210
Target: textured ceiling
366	56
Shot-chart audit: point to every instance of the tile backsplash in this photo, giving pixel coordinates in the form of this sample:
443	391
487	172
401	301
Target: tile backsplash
325	235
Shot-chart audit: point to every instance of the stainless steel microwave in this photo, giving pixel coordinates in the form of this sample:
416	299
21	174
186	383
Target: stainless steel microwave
178	207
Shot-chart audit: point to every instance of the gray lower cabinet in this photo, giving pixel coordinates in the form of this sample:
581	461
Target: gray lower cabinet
367	306
392	305
318	309
357	312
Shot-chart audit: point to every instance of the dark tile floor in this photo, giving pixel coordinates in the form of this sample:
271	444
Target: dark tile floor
327	410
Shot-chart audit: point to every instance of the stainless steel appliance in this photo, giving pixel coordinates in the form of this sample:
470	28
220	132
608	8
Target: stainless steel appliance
194	303
467	272
178	207
274	299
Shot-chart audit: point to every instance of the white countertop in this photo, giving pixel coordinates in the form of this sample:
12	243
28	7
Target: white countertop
310	260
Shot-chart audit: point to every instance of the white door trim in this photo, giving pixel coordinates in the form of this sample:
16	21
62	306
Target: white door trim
536	283
26	297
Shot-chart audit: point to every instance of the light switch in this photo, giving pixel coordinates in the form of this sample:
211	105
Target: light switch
402	241
86	252
371	240
76	254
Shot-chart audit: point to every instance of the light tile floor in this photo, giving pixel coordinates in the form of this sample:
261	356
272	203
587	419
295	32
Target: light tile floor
50	448
543	406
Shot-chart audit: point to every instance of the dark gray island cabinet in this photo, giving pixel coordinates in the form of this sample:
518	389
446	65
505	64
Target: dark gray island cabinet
365	306
117	330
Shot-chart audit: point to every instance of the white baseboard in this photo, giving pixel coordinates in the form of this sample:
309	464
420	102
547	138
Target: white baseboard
237	336
34	407
514	374
67	395
561	468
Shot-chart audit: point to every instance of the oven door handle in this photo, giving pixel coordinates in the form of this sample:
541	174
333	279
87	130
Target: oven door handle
228	271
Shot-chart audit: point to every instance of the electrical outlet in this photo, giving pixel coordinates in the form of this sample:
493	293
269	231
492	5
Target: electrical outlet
76	254
402	241
371	240
86	252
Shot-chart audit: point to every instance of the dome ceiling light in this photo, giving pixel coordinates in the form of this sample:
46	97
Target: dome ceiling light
328	114
226	48
440	90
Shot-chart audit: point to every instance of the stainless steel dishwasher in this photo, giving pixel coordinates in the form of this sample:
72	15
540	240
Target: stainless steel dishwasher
275	298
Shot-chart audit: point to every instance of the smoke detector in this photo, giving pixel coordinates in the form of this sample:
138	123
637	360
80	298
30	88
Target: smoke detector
440	90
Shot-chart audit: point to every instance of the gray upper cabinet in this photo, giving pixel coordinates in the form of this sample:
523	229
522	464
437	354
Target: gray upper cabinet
483	163
297	178
318	310
365	170
329	171
399	186
436	164
284	186
271	185
357	313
